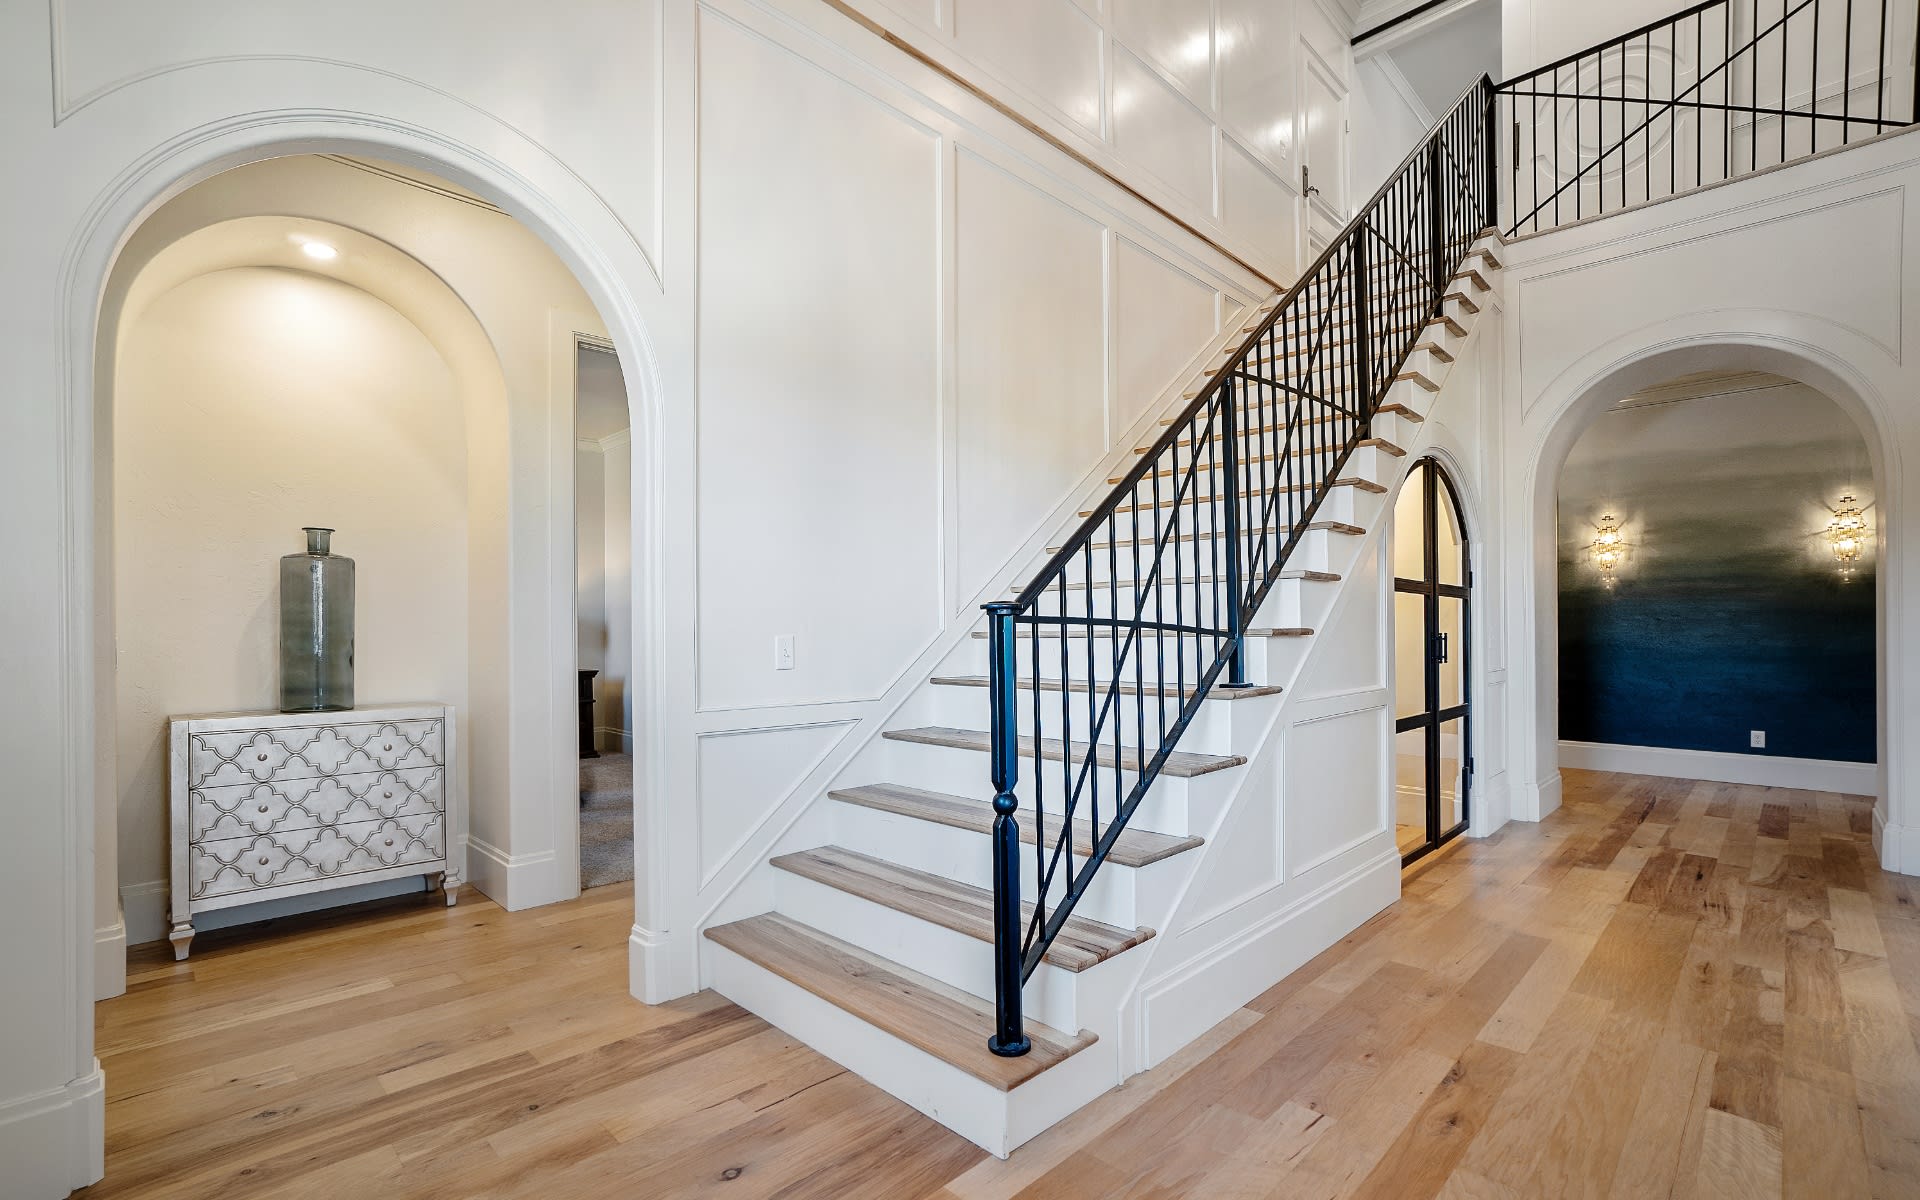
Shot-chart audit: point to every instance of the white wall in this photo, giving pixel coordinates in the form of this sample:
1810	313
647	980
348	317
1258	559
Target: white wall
1388	122
603	554
1194	103
614	687
251	402
590	552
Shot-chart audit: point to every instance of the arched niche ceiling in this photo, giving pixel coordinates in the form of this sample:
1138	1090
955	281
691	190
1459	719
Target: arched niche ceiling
376	267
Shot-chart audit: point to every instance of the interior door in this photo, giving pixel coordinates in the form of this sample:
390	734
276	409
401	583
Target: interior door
1323	146
1432	622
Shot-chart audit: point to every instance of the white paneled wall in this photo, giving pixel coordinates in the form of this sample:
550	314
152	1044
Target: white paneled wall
917	353
1194	103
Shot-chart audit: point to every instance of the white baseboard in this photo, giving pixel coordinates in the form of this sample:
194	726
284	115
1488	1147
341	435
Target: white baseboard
513	881
1896	846
609	738
54	1142
1810	774
110	959
143	910
1181	1005
1535	801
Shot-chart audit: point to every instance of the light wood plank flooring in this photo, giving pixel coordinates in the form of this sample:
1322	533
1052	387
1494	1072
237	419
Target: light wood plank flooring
1667	989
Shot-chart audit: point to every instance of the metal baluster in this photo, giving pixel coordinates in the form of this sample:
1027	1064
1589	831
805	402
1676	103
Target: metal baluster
1237	664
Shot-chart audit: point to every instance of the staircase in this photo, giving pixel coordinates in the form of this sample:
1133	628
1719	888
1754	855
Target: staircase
984	965
889	929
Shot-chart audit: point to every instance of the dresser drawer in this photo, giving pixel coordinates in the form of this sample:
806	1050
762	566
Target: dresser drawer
284	805
272	860
232	757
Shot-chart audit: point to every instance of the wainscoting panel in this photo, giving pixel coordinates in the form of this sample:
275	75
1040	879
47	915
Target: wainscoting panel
799	509
744	774
1334	786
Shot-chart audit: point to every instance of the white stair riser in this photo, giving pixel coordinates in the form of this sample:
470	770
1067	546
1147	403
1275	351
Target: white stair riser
1207	558
1119	895
1389	426
1211	731
1206	518
1296	604
977	1111
972	659
1165	808
953	958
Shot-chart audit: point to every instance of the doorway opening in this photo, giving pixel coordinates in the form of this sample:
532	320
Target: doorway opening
1432	620
603	612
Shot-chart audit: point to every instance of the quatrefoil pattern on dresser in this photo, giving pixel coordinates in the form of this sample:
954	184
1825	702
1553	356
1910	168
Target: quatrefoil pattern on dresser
280	805
300	856
254	756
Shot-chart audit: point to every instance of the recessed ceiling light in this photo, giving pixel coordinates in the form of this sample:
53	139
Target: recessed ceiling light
319	250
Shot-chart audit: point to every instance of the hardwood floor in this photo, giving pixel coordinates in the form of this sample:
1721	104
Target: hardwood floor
1666	989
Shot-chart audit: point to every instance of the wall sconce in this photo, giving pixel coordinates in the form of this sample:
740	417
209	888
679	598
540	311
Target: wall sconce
1847	535
1609	548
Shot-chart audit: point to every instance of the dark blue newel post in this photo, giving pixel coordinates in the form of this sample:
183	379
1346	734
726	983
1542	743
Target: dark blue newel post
1009	1038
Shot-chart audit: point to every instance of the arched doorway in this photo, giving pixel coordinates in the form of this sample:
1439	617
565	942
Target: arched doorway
540	800
1565	407
1432	623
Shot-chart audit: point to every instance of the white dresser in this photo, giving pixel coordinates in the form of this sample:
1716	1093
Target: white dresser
267	805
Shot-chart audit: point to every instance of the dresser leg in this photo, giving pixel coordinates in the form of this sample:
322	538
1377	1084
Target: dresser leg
450	884
181	937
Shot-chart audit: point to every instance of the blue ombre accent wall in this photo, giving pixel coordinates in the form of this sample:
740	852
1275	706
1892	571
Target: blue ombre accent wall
1730	613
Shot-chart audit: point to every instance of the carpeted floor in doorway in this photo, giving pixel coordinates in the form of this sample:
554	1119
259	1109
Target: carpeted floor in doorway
606	819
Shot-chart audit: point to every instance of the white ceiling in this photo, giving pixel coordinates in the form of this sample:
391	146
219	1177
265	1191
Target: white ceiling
601	403
1448	52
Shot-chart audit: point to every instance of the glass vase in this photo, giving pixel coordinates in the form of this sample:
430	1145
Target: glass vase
316	628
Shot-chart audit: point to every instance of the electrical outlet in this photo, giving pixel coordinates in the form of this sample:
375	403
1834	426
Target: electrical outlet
1757	739
783	652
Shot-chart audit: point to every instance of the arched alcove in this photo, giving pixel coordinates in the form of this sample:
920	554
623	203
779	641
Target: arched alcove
519	566
1570	406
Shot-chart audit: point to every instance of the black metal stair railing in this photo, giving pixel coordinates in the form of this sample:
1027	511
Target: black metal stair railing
1719	90
1100	664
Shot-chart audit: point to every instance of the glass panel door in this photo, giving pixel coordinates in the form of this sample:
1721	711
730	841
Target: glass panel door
1432	622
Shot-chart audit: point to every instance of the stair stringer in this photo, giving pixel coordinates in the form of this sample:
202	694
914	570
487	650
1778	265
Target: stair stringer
1206	964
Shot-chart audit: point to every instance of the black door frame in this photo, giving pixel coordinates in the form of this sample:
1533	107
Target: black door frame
1431	478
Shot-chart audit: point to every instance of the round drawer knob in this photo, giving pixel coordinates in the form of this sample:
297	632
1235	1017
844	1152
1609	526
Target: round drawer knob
263	808
388	795
389	841
263	862
263	757
389	745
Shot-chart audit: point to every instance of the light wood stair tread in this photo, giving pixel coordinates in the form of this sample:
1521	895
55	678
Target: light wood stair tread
1181	764
950	904
1340	527
1143	505
1133	848
1171	580
1081	632
1126	689
925	1013
1374	443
